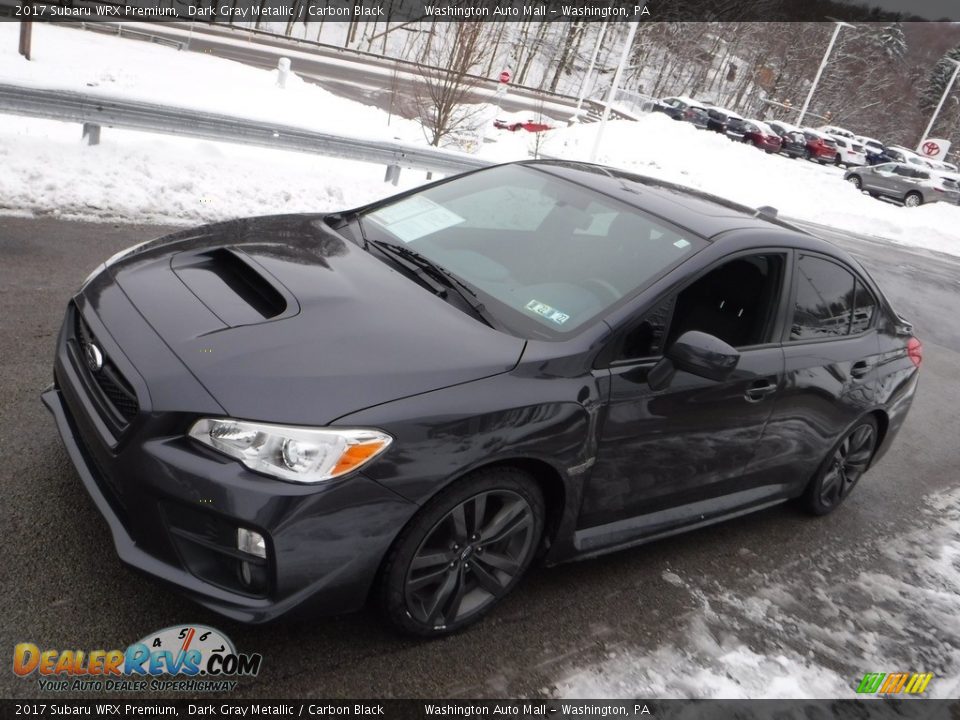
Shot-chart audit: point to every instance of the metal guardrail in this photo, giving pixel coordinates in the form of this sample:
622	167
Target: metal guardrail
95	111
120	30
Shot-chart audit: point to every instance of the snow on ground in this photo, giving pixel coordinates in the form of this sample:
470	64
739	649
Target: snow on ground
815	626
67	58
143	178
678	152
156	178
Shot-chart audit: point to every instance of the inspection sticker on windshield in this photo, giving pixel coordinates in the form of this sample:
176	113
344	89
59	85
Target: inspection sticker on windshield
415	217
544	310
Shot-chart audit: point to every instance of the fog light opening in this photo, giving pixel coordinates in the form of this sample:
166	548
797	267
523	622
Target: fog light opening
251	543
246	573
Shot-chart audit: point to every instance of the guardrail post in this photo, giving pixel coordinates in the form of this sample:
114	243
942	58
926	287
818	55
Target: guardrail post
283	72
91	133
393	174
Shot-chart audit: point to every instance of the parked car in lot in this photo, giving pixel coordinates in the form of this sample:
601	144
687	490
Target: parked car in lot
874	149
757	133
793	144
835	131
905	182
906	155
684	108
718	118
781	128
411	402
849	152
820	147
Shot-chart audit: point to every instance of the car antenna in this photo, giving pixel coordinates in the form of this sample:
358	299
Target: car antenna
766	211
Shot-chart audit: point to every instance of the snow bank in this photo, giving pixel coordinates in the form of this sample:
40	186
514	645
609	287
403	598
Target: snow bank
889	605
678	152
70	59
143	178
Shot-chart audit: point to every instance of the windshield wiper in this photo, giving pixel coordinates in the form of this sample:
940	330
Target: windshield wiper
437	277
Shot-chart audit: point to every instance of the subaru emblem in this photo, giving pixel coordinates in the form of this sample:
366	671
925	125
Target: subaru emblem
93	357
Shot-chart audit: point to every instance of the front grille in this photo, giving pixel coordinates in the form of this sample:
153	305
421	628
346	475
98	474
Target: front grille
114	388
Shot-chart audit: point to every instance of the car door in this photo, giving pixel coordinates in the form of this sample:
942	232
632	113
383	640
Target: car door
672	456
882	179
831	349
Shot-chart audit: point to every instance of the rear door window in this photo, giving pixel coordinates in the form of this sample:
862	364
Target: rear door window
825	300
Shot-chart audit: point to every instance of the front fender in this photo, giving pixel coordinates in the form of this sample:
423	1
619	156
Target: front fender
442	435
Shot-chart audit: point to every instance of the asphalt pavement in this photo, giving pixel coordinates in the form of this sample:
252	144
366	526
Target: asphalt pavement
63	587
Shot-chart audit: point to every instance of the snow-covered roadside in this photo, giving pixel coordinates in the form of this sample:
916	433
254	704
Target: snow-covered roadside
70	59
142	178
888	605
152	178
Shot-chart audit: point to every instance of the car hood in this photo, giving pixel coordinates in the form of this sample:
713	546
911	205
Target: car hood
284	320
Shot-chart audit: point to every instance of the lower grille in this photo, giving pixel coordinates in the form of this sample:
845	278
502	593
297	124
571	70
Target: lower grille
114	388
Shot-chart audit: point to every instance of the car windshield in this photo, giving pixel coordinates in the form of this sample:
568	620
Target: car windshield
543	254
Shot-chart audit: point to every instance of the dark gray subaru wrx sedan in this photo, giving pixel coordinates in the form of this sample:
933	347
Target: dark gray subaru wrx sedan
413	401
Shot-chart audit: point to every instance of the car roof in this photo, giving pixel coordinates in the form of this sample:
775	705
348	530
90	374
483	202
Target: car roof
685	99
703	214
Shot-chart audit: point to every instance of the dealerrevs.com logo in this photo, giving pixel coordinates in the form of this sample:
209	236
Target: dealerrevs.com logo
180	658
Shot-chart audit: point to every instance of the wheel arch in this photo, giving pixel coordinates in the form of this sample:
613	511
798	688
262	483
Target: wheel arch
549	479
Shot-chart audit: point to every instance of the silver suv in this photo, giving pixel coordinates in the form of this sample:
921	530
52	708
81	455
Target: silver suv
907	183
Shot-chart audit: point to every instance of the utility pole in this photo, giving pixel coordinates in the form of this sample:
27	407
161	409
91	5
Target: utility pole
614	86
823	64
26	31
943	98
586	78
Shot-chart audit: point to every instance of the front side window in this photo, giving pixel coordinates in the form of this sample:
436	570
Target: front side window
736	302
824	302
544	254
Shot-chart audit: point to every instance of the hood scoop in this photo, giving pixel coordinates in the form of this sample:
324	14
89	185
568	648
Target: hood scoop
234	287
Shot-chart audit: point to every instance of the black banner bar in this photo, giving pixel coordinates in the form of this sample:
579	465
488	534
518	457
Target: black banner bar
640	709
400	11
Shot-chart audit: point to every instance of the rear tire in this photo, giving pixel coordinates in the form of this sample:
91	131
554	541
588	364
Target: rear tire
913	199
462	553
844	465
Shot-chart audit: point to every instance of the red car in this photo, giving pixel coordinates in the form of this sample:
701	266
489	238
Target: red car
514	124
756	133
820	147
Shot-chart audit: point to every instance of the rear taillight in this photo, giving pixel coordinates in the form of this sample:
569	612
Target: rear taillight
915	351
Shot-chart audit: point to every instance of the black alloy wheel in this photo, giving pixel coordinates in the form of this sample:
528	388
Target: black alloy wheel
844	466
463	553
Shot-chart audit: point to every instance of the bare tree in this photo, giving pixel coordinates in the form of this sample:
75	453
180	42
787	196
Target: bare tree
448	78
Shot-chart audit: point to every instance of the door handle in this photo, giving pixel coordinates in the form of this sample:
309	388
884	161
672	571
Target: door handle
759	389
860	368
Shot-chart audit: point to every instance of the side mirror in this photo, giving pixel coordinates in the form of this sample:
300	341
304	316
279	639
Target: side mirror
697	353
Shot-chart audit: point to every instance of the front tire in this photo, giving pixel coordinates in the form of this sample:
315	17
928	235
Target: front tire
855	181
462	553
843	467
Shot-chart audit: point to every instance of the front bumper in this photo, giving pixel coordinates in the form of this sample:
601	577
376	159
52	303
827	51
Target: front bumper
173	508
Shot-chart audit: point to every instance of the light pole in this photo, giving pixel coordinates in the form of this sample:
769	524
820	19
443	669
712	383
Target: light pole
823	64
943	98
586	78
624	54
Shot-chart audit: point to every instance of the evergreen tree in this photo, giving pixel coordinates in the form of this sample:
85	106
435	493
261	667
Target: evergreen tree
893	42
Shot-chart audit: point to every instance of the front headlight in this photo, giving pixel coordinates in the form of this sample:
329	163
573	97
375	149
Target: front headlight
297	454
